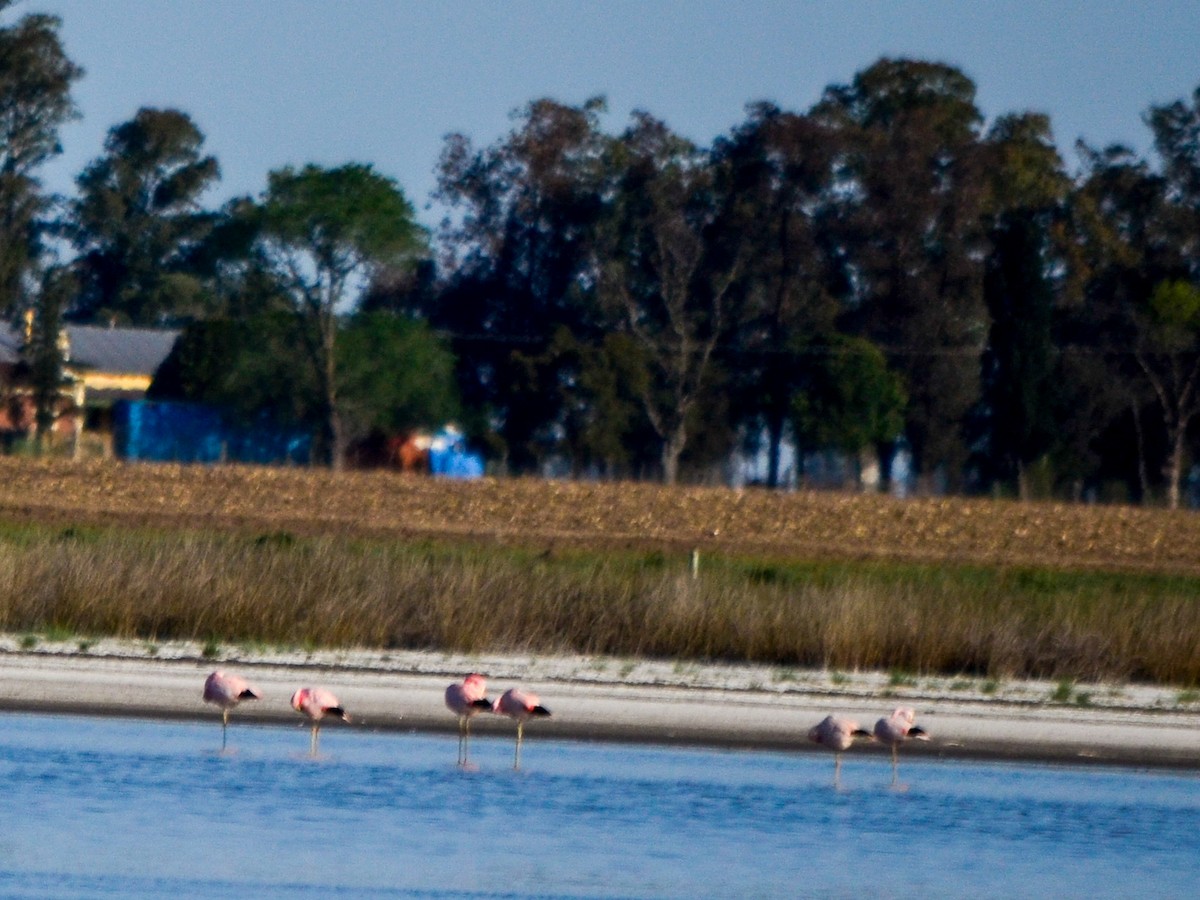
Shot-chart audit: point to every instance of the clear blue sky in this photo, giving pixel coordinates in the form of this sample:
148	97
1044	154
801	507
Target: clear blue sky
275	82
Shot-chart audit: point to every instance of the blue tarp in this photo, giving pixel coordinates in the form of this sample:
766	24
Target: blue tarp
450	458
189	432
454	463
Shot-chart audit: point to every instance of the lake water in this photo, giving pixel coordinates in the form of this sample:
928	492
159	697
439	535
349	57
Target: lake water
95	807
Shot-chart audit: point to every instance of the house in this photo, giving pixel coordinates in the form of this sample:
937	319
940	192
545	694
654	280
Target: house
101	365
113	364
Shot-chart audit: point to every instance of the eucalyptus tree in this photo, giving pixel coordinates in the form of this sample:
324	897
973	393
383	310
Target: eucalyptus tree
1168	333
518	253
35	100
663	277
138	221
912	192
1023	275
1120	213
1167	350
323	234
774	178
1176	129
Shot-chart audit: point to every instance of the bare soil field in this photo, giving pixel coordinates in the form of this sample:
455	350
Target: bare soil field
802	525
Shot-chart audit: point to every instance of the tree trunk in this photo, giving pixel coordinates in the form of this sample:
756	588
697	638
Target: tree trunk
1173	470
1143	475
869	475
337	441
774	444
333	418
672	449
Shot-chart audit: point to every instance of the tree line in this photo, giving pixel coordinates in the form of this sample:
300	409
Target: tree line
885	268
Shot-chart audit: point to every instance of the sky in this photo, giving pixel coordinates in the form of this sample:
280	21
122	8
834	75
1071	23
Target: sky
289	82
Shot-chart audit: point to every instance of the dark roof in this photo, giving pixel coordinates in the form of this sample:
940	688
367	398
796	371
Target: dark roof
10	344
126	350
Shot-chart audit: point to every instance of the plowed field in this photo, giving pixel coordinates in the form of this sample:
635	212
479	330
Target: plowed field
637	516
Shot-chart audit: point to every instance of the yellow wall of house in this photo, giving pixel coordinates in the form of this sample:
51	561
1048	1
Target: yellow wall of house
114	381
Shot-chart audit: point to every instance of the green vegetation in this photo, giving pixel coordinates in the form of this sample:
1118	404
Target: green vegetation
1062	692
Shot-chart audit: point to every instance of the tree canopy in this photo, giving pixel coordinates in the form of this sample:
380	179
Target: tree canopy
323	234
883	267
137	222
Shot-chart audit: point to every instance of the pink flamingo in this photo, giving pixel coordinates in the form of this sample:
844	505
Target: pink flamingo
317	703
895	730
838	735
227	691
519	705
466	700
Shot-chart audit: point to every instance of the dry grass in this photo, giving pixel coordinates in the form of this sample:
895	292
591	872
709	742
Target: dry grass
302	558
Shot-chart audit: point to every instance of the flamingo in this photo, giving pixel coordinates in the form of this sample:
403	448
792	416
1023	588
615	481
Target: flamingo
895	730
227	691
465	700
317	703
838	735
519	705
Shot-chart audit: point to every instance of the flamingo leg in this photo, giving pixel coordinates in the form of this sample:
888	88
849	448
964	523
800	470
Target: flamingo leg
895	764
837	770
517	758
312	747
464	726
224	728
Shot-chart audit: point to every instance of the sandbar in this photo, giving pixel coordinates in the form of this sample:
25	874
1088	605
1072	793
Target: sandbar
607	699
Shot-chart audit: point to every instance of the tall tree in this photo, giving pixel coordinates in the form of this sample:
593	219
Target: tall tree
1028	190
774	179
1176	129
1128	247
35	100
43	352
1167	349
661	277
324	234
138	223
518	252
912	191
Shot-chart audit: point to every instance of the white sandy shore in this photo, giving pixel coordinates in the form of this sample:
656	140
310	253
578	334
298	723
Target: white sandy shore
616	699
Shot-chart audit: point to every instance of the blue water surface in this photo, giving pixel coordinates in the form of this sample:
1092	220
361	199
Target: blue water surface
99	807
